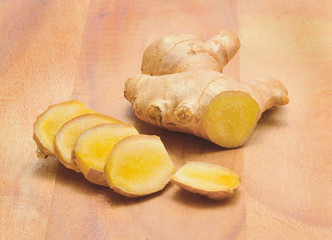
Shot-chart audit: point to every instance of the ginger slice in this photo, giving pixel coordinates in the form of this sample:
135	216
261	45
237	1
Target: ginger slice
94	146
49	123
67	136
211	180
138	165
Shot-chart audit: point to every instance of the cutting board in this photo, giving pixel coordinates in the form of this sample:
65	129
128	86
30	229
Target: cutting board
52	51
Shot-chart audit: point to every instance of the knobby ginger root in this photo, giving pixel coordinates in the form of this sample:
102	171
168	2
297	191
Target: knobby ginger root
67	136
185	52
193	96
49	123
211	180
138	165
94	146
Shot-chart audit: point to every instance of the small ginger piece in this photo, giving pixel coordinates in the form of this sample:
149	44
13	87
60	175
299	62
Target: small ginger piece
67	136
49	123
212	180
94	146
138	165
182	88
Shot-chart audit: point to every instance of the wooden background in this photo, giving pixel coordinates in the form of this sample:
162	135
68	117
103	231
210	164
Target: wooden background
53	50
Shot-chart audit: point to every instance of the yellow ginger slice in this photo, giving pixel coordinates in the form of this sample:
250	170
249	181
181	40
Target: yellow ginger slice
49	123
67	136
94	146
211	180
138	165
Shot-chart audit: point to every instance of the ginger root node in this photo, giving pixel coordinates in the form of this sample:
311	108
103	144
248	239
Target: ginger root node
154	113
183	114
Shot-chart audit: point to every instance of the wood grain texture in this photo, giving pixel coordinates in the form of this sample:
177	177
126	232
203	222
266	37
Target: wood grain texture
39	53
52	51
288	160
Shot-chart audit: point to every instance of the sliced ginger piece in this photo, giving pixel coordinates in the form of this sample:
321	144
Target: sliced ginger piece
67	136
211	180
231	118
49	123
94	146
138	165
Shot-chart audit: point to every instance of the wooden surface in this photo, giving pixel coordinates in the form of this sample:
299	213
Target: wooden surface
53	50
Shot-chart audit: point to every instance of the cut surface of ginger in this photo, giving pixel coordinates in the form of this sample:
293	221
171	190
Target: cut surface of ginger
231	118
138	165
49	123
67	136
94	146
211	180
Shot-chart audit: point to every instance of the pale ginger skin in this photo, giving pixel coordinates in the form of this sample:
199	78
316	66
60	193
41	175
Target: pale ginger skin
197	98
183	52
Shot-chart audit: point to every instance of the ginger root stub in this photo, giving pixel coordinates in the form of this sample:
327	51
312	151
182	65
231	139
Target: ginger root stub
181	88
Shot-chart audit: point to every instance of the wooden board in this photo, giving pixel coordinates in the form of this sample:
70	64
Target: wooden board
52	51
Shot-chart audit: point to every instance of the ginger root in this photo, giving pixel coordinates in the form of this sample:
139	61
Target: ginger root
67	136
49	123
181	88
94	146
138	165
211	180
